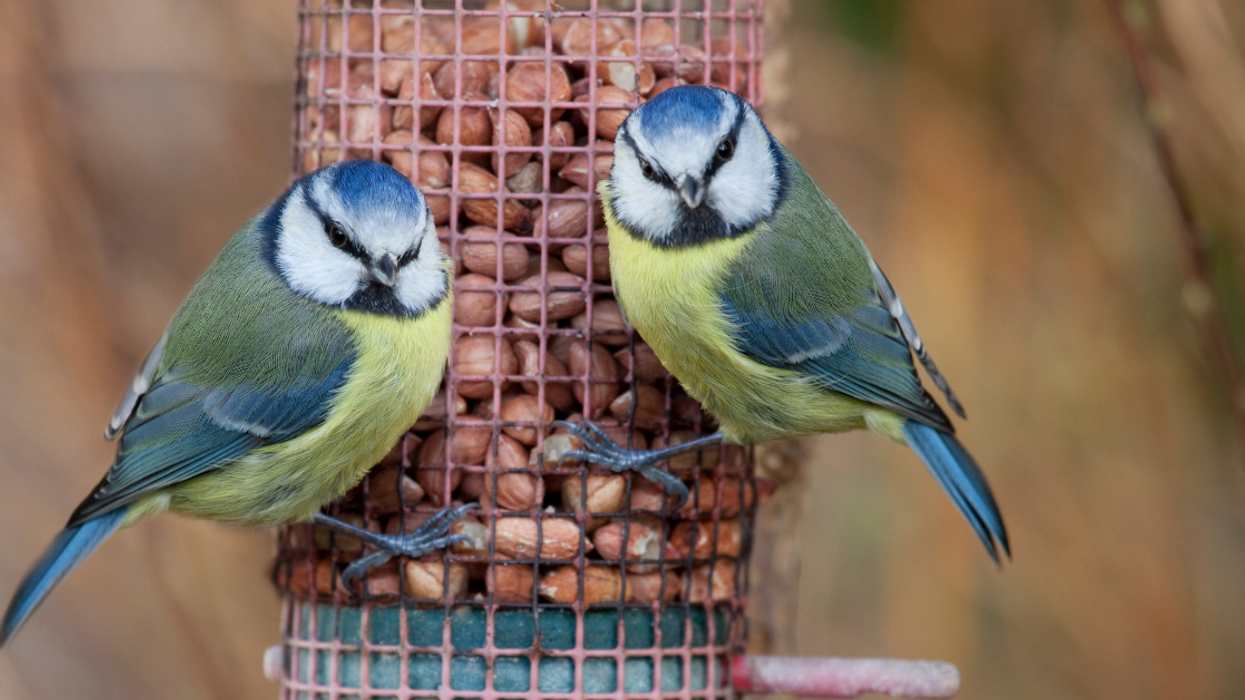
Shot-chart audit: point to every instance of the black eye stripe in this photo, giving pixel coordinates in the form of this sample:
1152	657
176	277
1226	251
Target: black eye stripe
329	224
651	172
331	228
732	138
410	255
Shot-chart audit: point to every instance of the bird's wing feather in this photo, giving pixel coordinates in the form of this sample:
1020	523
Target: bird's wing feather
245	363
891	298
180	431
802	297
846	353
135	391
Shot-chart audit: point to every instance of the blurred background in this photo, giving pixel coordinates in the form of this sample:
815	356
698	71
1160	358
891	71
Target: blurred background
996	158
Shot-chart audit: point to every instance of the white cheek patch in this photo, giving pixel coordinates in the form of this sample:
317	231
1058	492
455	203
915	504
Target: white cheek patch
745	189
308	262
646	206
422	281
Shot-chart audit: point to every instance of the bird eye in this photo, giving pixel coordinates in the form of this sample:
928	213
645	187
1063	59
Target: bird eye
646	169
336	235
726	149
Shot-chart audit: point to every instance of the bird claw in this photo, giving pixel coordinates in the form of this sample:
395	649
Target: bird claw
602	450
429	537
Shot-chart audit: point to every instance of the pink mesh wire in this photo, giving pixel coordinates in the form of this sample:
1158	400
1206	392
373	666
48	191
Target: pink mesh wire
361	70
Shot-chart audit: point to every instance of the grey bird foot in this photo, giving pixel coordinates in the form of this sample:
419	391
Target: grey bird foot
428	537
602	450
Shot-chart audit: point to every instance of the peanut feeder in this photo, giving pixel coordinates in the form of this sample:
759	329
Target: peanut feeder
572	580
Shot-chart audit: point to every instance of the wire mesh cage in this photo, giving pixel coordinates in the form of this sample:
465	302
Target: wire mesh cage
574	581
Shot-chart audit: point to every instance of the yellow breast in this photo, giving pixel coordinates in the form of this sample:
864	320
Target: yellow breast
672	297
398	369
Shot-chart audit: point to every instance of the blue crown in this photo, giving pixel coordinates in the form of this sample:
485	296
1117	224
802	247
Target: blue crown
684	107
367	183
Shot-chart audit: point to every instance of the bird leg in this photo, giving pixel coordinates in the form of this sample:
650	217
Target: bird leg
429	537
601	449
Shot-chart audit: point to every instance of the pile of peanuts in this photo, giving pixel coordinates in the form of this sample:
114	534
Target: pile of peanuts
527	351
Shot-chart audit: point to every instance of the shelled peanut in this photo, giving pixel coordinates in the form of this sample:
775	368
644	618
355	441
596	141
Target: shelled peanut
508	147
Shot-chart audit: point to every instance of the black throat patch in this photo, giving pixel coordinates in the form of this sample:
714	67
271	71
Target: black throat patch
377	299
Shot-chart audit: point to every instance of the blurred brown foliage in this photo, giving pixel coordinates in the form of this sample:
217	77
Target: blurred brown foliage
993	156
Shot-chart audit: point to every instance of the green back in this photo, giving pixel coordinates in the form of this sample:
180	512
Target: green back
242	323
802	297
247	363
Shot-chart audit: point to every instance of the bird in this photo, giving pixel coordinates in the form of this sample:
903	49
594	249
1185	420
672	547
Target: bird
312	342
759	298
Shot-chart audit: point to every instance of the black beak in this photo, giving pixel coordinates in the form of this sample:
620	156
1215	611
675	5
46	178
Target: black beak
691	190
385	270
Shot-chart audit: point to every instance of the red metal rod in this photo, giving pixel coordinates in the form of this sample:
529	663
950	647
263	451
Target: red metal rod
844	678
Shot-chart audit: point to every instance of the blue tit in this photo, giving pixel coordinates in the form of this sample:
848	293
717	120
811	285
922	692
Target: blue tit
312	342
760	299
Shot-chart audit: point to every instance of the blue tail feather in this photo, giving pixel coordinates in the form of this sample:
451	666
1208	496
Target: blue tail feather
958	473
67	551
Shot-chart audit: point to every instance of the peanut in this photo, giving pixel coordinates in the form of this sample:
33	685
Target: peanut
644	543
575	257
475	78
566	301
734	496
515	490
558	538
561	135
521	409
647	496
602	373
650	409
476	355
665	84
576	169
513	583
358	30
529	179
647	367
606	495
697	539
404	115
556	447
513	131
476	308
384	581
608	119
601	585
476	531
557	395
389	490
427	580
622	73
568	218
473	179
474	128
721	587
647	588
525	82
576	37
481	257
654	32
608	326
302	577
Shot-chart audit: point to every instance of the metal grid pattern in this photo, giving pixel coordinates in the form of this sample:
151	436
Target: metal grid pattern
540	603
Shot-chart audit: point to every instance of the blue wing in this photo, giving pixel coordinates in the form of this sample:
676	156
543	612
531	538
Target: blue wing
179	430
859	351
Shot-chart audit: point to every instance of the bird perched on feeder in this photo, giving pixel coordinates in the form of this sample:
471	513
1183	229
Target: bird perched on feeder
312	342
755	293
